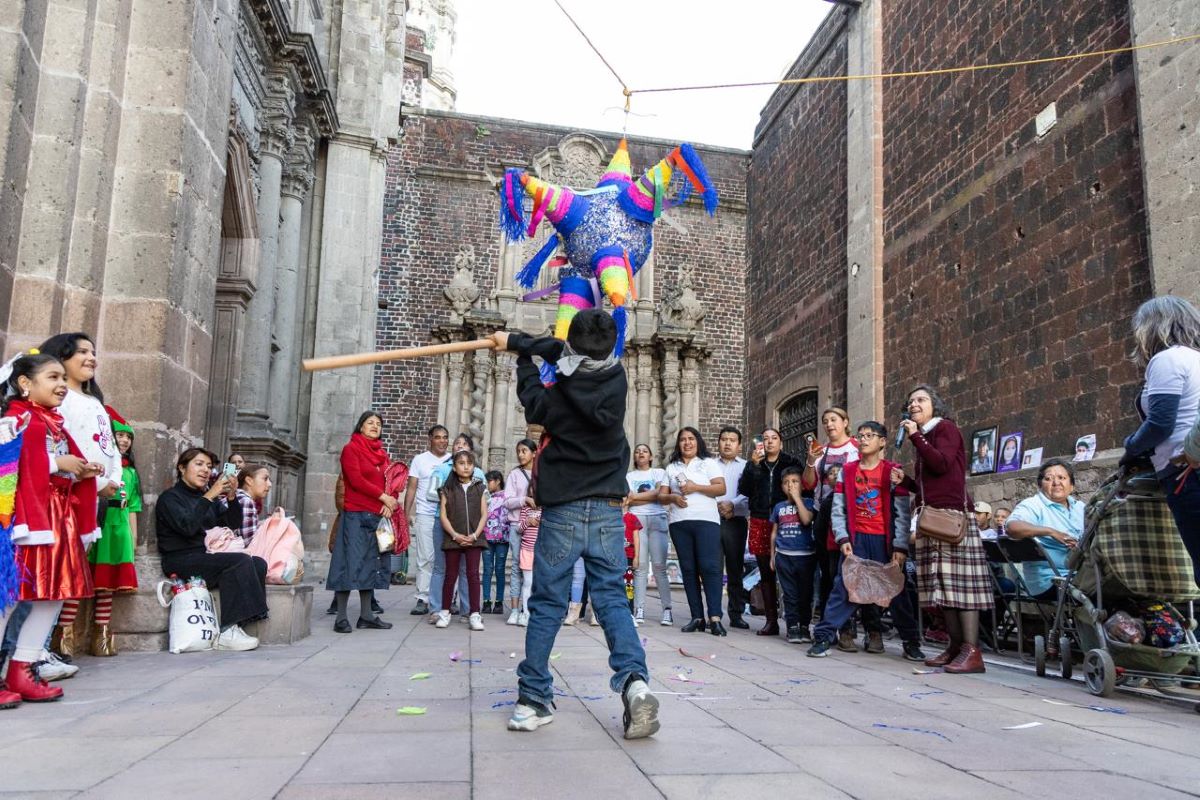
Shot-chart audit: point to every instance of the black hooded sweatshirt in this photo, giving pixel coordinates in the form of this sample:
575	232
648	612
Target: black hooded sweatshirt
587	454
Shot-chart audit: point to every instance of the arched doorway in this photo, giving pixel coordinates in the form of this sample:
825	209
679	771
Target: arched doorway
797	419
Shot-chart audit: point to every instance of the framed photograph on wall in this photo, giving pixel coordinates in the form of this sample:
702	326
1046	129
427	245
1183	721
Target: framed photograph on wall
983	451
1008	459
1085	448
1032	459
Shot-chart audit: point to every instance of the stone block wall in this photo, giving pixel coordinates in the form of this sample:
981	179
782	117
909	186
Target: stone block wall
1013	262
440	198
796	235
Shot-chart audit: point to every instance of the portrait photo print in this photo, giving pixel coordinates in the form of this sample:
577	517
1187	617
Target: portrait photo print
983	451
1008	459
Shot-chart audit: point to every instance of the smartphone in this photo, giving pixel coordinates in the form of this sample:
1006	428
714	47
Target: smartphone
230	470
759	447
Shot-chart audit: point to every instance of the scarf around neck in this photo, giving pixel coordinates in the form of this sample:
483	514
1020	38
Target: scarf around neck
55	425
571	362
372	449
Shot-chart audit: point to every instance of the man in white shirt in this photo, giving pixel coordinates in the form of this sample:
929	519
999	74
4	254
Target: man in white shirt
422	512
734	509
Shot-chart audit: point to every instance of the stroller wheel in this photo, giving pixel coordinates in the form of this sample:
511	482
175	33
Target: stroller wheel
1039	656
1099	672
1064	653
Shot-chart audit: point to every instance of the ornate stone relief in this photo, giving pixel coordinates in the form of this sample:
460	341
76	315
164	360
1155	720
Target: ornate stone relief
462	291
681	308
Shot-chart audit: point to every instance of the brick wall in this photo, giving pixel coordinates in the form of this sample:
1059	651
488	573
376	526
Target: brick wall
1013	264
796	237
439	198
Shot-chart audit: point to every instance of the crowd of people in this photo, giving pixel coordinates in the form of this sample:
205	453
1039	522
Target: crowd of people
580	522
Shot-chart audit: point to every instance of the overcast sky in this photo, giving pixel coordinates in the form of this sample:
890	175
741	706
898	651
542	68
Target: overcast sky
522	59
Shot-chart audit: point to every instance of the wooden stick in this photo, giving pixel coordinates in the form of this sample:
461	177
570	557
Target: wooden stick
357	359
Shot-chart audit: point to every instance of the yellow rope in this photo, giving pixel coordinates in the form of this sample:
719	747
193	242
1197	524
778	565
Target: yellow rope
923	72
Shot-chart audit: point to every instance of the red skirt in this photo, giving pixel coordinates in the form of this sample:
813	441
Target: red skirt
58	571
760	537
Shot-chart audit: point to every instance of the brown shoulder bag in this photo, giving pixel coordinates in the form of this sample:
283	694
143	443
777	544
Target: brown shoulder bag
942	524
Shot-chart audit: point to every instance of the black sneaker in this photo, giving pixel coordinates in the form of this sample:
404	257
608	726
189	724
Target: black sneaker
820	649
912	652
487	607
794	635
421	609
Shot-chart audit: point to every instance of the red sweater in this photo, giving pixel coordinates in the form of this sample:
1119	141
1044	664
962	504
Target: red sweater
363	478
941	466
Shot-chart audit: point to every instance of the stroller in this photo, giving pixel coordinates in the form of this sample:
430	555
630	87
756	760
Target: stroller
1130	555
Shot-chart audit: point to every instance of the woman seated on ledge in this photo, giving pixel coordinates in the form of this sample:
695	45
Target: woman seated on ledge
183	513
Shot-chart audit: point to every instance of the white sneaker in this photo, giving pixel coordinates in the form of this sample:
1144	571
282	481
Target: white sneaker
53	668
637	621
641	711
528	718
667	619
514	618
476	622
443	619
523	619
234	638
639	617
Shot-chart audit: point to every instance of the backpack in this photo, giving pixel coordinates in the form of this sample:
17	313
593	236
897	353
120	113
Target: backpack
278	542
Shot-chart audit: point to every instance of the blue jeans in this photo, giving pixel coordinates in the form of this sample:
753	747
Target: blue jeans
1185	507
796	575
438	579
591	528
16	618
698	545
494	560
839	610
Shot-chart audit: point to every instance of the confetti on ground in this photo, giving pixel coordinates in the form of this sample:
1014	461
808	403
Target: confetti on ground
705	697
911	730
504	703
420	676
919	695
644	641
802	681
512	655
1022	727
685	679
1101	709
919	671
410	711
555	656
708	657
503	691
455	656
747	658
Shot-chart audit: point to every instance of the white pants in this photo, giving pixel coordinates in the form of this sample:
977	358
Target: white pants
38	625
653	542
422	539
526	588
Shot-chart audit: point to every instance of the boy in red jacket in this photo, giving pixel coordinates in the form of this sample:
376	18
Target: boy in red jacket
870	520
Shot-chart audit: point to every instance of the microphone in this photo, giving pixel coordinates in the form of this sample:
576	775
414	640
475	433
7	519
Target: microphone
900	433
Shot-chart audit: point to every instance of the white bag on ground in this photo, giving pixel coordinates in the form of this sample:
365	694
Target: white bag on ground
193	626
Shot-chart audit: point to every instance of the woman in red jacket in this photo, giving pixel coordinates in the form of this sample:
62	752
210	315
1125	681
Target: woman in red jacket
355	564
955	577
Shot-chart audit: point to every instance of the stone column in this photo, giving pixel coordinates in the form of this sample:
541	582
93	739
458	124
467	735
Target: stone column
670	386
502	403
864	199
275	141
688	383
285	367
644	382
455	369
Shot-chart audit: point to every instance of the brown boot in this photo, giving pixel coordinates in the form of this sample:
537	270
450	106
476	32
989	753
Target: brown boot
63	642
968	660
945	657
874	643
102	642
846	642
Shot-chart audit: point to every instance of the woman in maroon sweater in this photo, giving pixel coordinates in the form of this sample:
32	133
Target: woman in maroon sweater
355	563
951	577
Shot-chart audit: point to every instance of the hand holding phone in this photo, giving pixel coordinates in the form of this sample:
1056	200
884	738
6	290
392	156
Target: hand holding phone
229	470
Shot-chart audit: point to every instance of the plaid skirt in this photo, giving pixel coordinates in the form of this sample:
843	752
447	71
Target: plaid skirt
954	576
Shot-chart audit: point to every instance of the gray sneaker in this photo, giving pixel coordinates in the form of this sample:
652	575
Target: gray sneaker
529	716
641	710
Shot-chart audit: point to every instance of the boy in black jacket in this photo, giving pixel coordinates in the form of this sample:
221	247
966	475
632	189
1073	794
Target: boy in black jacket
579	482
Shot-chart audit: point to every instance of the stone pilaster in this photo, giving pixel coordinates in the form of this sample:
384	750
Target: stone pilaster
670	346
644	384
502	405
296	183
689	380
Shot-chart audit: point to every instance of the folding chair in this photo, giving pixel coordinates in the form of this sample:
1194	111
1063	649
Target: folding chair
1004	623
1026	551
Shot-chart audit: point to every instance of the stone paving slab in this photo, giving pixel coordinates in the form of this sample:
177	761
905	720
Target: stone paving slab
742	716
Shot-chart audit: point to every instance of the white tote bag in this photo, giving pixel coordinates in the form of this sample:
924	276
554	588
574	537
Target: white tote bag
193	625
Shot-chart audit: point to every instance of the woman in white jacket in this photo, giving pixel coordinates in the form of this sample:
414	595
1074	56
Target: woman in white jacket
90	426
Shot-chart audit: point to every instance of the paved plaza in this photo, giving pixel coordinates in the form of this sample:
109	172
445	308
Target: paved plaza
741	716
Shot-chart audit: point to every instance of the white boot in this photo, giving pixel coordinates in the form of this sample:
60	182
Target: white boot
573	610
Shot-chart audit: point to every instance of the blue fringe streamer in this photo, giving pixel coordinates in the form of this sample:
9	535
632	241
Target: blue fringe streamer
513	226
692	158
10	578
528	275
619	317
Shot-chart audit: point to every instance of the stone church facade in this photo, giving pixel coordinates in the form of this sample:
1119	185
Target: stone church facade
199	185
448	275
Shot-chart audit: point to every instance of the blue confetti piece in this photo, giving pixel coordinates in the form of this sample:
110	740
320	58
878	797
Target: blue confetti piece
912	730
919	695
503	691
504	703
802	682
